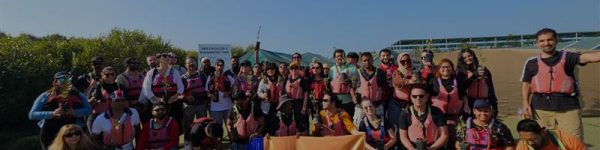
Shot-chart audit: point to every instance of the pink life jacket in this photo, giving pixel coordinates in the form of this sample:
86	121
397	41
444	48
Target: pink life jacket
134	88
246	83
553	79
340	83
287	130
121	130
448	102
418	130
293	89
159	137
274	91
479	139
369	89
245	127
163	86
338	127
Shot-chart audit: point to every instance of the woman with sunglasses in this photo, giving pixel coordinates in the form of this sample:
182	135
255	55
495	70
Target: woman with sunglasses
318	86
379	132
332	120
71	137
270	89
427	67
478	79
101	94
58	106
421	125
449	95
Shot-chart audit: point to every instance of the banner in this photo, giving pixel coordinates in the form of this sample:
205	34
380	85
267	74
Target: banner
347	142
214	52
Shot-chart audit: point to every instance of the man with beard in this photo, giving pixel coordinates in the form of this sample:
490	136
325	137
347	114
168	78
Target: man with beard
235	66
535	137
84	82
550	79
206	69
132	81
151	62
161	132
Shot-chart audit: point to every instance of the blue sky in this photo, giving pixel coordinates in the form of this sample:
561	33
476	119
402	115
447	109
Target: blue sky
306	26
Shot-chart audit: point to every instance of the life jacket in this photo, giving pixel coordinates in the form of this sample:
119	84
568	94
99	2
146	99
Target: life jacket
389	70
317	89
376	137
478	89
206	142
220	83
135	86
338	127
121	130
275	90
103	104
245	127
369	89
163	86
195	85
480	139
247	82
418	130
159	137
73	101
553	79
425	72
448	102
341	82
285	130
293	89
401	91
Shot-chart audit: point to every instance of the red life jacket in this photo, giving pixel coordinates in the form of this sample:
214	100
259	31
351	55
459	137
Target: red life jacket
164	86
103	104
246	82
479	139
389	70
220	83
418	130
121	130
195	86
338	127
71	101
245	127
206	142
159	137
340	83
286	130
553	79
274	91
318	89
293	89
369	89
375	137
135	86
478	89
448	102
425	72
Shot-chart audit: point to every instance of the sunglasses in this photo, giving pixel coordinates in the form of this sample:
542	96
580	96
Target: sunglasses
417	96
61	80
73	134
404	61
315	68
109	74
160	109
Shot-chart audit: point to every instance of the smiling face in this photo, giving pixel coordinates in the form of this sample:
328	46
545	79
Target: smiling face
385	57
547	42
418	97
368	107
467	58
531	138
339	58
446	69
483	114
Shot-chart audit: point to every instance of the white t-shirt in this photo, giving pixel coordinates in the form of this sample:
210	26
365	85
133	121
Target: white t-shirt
103	125
224	103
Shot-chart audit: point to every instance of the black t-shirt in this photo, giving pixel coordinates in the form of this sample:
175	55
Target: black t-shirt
553	102
110	88
273	123
380	76
436	115
448	85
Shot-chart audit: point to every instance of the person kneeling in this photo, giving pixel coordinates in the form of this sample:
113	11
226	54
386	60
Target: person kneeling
161	132
485	132
205	133
333	121
535	137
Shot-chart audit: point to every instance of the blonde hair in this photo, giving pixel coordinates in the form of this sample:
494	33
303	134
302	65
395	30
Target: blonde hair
59	141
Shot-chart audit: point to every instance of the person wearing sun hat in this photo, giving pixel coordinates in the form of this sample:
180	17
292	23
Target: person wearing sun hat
285	122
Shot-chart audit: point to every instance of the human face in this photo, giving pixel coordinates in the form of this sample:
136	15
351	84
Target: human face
159	112
283	69
467	58
151	61
108	76
532	139
132	65
351	60
385	57
191	65
98	65
294	72
339	58
296	58
235	61
271	72
405	60
326	70
368	107
426	58
418	97
206	63
165	59
367	62
483	114
72	137
256	69
327	102
62	82
547	42
245	69
316	69
446	70
220	66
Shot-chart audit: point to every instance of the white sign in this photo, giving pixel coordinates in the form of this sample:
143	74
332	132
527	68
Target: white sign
214	52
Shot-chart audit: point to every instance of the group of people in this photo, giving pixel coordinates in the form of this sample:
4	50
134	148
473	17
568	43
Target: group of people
395	104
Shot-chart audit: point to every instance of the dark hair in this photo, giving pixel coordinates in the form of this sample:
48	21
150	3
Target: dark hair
235	57
461	65
321	66
544	31
385	50
159	104
366	54
339	51
220	61
215	129
297	54
528	125
428	51
352	55
439	66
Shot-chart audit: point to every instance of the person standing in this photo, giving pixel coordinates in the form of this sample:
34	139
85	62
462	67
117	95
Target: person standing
343	77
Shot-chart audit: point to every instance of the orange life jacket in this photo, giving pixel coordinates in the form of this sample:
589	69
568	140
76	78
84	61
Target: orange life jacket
478	89
369	89
293	89
121	130
448	102
340	83
479	139
318	89
418	130
552	79
338	127
274	91
287	130
134	87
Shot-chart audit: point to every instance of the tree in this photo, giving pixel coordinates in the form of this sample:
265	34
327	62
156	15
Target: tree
237	51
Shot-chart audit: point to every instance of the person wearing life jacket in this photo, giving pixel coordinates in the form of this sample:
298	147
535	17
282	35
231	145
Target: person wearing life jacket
318	85
220	88
449	95
163	85
100	94
478	78
270	89
245	122
326	70
296	87
352	59
549	80
371	86
427	68
379	132
286	122
401	80
85	82
304	71
483	132
421	125
206	68
132	81
195	100
534	137
344	78
160	132
205	133
245	81
117	127
333	121
173	64
62	104
387	66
